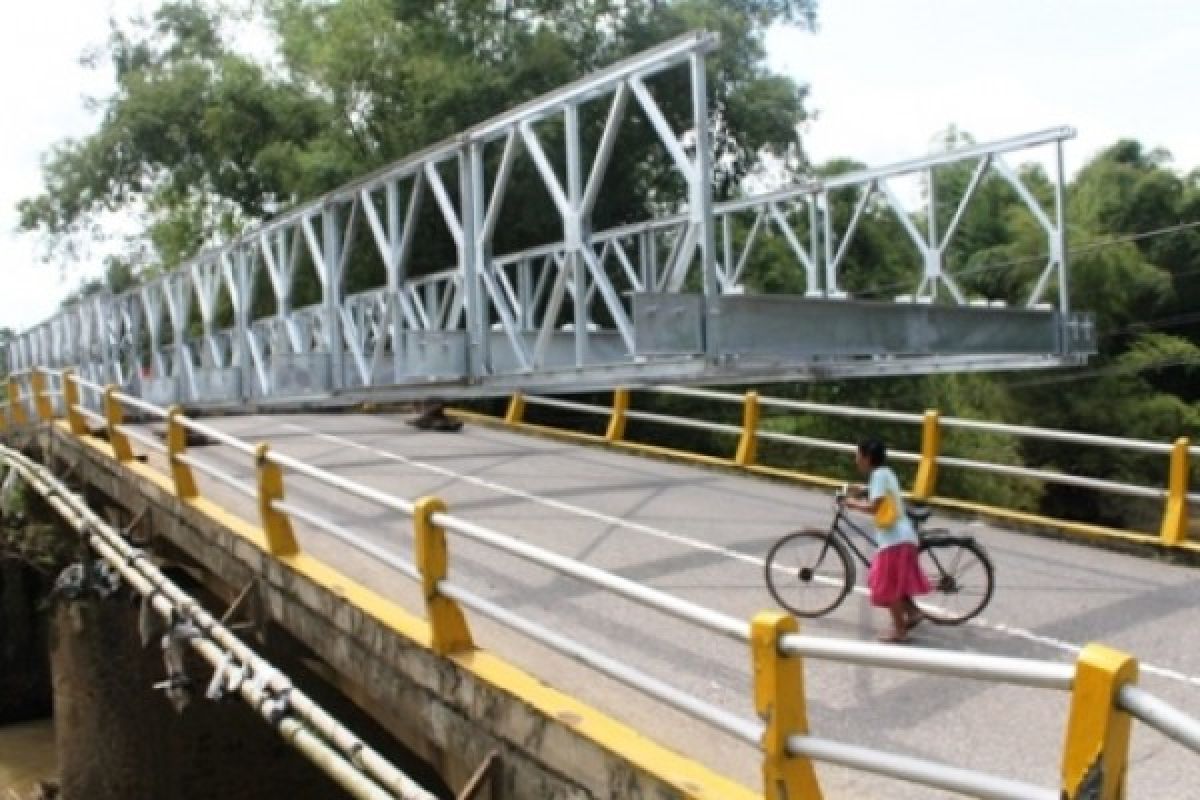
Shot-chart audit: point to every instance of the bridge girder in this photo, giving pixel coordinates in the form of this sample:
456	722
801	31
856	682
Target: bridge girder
662	300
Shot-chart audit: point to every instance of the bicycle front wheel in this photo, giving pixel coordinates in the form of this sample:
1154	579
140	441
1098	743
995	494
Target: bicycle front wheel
809	573
961	574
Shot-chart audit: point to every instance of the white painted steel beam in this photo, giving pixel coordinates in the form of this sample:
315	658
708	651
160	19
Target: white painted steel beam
647	302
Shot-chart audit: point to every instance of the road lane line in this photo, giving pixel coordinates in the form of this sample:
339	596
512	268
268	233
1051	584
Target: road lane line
533	498
979	622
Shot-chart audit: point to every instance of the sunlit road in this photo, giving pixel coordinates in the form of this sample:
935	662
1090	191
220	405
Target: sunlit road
702	535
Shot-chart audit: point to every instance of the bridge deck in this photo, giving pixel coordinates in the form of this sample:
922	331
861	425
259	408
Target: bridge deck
702	535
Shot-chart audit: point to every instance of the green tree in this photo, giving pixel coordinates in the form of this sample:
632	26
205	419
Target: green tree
189	141
1129	192
1123	191
202	140
1146	378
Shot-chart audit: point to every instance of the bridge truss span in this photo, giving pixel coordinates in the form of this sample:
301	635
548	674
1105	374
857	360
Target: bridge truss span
673	298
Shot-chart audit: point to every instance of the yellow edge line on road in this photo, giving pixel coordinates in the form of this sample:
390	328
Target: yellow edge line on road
1064	526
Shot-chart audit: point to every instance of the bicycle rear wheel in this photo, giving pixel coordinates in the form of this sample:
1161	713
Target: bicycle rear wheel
962	577
809	573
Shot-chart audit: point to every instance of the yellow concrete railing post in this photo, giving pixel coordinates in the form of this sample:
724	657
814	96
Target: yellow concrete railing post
181	473
16	407
41	398
931	442
71	401
1175	518
447	624
516	409
112	414
276	525
780	701
747	449
616	423
1096	754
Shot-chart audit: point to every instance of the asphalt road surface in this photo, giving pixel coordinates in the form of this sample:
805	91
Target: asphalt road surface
702	535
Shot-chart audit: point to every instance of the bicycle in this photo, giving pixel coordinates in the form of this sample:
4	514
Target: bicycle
813	570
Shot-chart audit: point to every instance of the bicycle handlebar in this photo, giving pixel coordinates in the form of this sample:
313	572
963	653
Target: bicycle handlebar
844	491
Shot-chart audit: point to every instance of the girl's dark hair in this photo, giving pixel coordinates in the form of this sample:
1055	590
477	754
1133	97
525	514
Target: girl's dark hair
874	451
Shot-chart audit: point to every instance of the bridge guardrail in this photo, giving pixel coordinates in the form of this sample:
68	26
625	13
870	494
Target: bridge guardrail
1173	530
237	668
1104	696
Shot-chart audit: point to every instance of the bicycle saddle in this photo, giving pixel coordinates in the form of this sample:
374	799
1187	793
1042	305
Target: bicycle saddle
918	514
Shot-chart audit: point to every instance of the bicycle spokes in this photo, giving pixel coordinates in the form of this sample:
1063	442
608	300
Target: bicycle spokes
808	573
960	574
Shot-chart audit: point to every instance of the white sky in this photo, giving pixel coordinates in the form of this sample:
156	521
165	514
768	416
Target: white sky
886	76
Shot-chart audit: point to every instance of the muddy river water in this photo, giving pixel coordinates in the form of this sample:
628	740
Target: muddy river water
26	755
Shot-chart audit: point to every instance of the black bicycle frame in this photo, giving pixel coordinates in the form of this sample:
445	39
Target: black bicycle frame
835	529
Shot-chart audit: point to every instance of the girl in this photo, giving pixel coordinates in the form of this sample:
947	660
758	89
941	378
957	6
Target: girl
895	578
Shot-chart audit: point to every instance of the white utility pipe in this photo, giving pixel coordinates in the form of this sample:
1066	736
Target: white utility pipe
129	560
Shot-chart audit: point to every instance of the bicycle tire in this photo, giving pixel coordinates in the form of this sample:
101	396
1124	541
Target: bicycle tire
962	576
810	591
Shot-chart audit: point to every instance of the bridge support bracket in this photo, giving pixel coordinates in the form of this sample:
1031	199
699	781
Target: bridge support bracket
516	409
616	423
112	413
1175	519
181	473
16	406
747	449
277	526
779	700
1096	754
75	420
448	626
41	398
931	441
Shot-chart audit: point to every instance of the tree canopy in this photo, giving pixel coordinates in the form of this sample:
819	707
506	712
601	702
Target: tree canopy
202	140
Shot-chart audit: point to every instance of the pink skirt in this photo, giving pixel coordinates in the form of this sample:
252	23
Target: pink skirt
896	575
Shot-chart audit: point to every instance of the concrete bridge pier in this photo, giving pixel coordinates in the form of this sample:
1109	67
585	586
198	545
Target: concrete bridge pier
121	739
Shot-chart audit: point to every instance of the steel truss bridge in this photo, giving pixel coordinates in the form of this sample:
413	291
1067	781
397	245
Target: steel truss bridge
664	300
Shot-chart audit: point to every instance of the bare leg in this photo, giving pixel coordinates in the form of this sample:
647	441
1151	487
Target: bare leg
899	630
912	614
